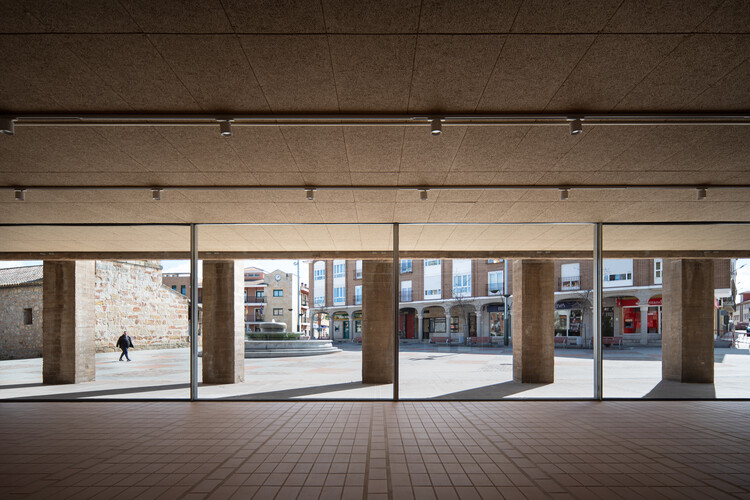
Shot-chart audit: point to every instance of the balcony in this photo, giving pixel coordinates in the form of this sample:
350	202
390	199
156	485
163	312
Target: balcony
570	283
406	295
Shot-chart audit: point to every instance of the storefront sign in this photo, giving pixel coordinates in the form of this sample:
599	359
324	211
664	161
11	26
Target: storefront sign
635	302
568	304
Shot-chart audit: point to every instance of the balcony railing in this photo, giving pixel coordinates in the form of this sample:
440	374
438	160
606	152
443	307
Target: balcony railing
255	300
406	295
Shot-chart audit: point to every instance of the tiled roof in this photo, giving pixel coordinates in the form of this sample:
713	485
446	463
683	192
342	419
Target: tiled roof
20	275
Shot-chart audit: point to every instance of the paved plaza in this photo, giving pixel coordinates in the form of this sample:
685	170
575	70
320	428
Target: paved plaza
427	371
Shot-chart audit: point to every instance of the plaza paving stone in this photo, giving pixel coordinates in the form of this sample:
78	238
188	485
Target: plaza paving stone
427	371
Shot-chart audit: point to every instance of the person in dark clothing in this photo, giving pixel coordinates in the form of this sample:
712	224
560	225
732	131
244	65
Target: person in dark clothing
124	342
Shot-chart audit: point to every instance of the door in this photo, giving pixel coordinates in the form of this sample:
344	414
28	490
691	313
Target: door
346	329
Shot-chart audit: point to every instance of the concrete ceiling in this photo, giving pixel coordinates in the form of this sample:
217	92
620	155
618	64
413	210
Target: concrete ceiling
410	57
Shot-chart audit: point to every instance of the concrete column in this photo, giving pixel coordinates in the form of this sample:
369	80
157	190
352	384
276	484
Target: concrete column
448	332
377	322
533	321
420	326
68	328
644	325
688	307
223	322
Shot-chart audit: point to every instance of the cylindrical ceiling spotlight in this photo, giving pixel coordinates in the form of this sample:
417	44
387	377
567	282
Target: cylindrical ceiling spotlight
564	192
436	126
701	194
576	127
20	195
225	126
310	193
156	194
423	195
7	126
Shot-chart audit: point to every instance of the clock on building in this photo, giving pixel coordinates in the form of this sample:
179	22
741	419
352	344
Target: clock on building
278	277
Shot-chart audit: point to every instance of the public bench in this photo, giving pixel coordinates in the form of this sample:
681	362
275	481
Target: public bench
357	340
612	341
561	341
440	340
479	340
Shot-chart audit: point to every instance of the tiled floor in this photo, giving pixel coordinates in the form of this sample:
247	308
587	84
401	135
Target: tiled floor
300	450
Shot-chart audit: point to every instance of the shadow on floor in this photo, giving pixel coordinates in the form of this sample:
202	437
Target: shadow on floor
491	392
104	392
18	386
668	389
302	391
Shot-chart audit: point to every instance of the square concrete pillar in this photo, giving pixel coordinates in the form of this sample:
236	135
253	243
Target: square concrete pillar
223	322
533	321
68	351
377	322
688	316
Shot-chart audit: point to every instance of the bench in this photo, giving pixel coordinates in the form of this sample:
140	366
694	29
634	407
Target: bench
612	341
479	340
561	341
440	340
357	340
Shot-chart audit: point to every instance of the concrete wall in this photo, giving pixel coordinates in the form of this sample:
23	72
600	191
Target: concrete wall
17	340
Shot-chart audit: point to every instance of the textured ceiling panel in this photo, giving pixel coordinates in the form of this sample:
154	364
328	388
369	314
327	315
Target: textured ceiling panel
178	16
272	16
383	16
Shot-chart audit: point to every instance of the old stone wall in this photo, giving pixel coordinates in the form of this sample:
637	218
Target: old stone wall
17	340
130	296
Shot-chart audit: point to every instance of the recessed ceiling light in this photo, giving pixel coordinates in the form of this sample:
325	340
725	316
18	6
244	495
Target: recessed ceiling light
225	126
436	126
576	127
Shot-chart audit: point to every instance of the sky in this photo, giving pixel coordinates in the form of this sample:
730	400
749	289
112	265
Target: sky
183	266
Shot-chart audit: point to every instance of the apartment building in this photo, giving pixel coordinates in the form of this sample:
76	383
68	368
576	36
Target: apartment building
461	298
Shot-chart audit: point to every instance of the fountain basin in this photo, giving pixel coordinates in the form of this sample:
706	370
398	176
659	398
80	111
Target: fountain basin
288	348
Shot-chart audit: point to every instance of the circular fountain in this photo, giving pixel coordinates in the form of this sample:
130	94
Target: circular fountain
273	341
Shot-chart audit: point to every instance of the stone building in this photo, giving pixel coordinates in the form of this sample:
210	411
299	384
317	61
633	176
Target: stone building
127	295
21	312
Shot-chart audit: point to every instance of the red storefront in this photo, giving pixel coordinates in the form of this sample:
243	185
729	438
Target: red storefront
631	314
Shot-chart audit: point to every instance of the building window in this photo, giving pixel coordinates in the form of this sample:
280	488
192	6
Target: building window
319	271
495	283
278	293
278	311
319	301
454	324
462	285
657	271
358	295
27	316
570	277
358	270
406	291
494	261
174	287
432	292
433	262
182	289
339	269
618	272
258	293
405	266
338	296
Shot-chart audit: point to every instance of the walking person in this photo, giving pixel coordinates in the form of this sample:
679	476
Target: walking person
124	342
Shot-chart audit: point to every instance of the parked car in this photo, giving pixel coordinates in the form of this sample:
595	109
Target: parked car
741	325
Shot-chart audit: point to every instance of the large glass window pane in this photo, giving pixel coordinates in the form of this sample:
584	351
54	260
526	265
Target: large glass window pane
678	329
78	302
459	311
309	340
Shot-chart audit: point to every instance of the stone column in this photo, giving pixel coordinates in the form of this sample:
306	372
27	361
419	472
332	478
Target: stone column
644	325
688	308
533	321
377	322
68	350
420	326
448	332
223	322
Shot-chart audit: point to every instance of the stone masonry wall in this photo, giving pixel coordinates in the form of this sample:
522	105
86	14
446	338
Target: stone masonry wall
130	296
19	341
